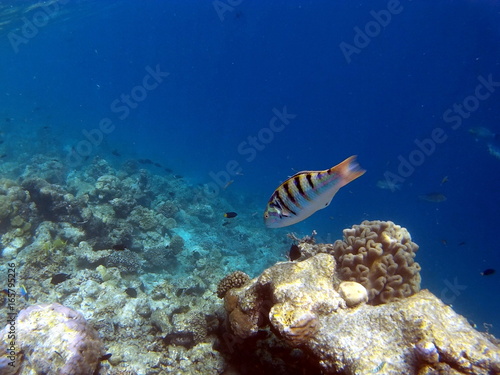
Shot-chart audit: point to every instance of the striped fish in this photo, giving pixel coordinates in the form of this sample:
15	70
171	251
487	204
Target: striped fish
307	192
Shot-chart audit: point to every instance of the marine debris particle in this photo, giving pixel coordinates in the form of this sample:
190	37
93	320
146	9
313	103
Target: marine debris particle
59	278
432	197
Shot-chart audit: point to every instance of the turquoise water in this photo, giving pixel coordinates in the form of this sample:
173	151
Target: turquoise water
221	103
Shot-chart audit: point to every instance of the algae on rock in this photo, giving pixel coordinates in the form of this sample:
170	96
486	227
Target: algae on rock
415	335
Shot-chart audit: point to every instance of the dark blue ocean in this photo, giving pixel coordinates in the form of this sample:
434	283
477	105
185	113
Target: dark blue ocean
236	96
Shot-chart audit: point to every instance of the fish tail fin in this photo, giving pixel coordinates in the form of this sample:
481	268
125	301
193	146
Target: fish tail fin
349	170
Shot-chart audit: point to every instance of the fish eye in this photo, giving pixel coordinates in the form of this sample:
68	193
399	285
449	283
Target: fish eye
266	215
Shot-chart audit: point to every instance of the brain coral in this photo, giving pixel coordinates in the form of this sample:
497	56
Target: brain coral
379	255
51	339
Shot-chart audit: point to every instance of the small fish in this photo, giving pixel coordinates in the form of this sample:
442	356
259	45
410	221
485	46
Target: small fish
487	272
24	293
131	292
307	192
294	253
482	132
227	184
116	153
388	185
378	368
462	243
444	242
105	357
59	278
433	197
157	165
444	180
119	247
230	215
494	150
145	161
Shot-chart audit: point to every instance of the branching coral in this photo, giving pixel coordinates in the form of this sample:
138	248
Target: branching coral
379	255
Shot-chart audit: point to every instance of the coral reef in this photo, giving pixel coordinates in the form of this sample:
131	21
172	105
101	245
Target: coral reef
235	279
292	295
380	256
413	335
18	215
126	261
159	296
353	293
52	339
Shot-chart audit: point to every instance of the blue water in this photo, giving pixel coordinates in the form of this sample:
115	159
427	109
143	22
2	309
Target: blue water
230	73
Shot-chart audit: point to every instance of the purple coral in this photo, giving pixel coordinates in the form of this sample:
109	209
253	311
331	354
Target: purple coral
56	339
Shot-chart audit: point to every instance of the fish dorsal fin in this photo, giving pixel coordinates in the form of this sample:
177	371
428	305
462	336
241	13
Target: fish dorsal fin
296	174
303	172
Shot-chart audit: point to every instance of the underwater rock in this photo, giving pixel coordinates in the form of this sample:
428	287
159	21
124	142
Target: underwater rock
176	244
188	329
414	335
18	217
107	187
52	339
145	218
353	293
51	170
53	202
122	206
99	167
291	294
168	208
157	259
